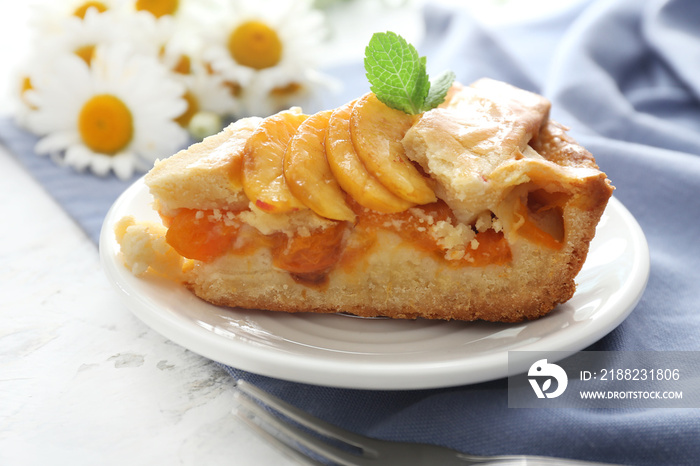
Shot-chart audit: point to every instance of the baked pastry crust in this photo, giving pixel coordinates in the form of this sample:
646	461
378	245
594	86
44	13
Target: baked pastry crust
518	204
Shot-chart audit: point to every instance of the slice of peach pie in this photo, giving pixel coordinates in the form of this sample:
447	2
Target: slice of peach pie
482	208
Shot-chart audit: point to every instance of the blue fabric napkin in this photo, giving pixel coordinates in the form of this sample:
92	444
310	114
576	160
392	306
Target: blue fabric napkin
625	76
85	197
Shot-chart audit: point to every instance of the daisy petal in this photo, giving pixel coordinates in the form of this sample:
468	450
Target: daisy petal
123	166
78	157
56	142
100	164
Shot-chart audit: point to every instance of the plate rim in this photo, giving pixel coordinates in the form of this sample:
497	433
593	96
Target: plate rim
297	368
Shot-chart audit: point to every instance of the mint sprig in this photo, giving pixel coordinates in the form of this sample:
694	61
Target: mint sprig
398	77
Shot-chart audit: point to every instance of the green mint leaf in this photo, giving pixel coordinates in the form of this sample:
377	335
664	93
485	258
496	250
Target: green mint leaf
398	77
396	73
438	90
422	88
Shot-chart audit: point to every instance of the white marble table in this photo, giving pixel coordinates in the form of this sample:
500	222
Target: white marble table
82	381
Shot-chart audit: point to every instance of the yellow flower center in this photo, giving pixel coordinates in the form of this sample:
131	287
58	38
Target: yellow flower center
286	91
158	8
26	86
192	108
256	45
234	88
86	52
105	124
183	65
82	9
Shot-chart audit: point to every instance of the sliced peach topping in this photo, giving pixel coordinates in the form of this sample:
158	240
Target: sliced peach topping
349	170
308	174
263	163
376	132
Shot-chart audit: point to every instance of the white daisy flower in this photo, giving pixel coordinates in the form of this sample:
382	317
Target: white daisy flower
22	86
264	47
72	34
48	15
172	28
181	55
82	35
115	115
186	10
206	92
177	48
150	35
270	94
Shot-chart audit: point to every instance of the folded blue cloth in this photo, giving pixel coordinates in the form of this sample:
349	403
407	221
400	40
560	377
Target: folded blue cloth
85	197
625	76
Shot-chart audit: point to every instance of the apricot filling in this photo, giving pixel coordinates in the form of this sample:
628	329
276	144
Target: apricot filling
205	235
542	217
198	235
309	258
413	226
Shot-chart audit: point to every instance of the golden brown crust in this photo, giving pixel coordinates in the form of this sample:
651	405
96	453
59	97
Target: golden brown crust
198	177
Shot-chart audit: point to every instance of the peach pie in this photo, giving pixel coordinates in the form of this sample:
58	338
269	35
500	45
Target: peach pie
480	209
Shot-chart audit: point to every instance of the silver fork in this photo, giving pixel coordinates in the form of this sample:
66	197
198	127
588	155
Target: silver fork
323	443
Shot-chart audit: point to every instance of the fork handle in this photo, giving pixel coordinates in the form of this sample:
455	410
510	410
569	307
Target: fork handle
525	460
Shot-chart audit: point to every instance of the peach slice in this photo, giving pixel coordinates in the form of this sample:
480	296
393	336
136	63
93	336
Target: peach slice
263	163
376	132
307	172
349	170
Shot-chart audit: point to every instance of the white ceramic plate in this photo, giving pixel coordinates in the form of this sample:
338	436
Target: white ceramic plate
342	351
